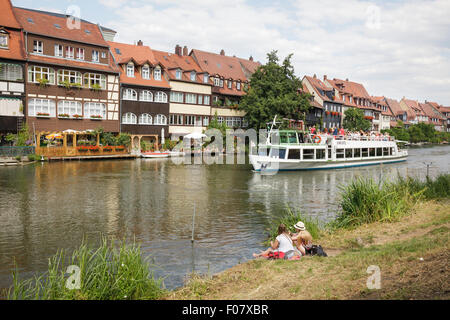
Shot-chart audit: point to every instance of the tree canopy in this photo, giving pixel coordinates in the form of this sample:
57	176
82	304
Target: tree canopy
354	120
274	90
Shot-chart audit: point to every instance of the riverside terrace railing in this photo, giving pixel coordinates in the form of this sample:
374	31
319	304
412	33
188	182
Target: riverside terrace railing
9	151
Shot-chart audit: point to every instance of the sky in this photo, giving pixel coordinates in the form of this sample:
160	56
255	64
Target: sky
397	48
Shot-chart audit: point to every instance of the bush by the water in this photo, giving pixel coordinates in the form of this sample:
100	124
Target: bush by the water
366	201
106	273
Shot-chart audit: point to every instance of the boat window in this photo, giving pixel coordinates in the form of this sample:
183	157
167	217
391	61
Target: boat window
329	152
308	154
357	153
277	153
372	152
294	154
300	138
365	152
340	153
283	138
292	137
385	151
320	153
263	152
349	153
379	152
392	151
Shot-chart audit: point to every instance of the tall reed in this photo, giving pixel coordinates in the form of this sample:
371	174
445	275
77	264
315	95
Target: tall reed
107	273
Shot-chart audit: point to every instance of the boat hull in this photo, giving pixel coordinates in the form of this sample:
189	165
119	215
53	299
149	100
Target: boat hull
264	164
155	155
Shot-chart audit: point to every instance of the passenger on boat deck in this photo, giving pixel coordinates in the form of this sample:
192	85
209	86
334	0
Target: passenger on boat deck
335	131
342	132
312	130
325	131
302	239
283	243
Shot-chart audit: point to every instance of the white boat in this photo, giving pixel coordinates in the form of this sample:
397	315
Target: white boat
296	150
155	154
176	153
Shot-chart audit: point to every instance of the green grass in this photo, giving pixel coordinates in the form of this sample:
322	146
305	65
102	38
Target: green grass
365	201
107	273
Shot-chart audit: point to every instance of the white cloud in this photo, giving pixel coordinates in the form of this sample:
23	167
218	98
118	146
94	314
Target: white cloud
395	49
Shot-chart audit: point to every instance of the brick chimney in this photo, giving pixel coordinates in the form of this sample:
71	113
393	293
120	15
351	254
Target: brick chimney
346	79
222	52
178	50
185	51
251	58
314	76
140	43
324	77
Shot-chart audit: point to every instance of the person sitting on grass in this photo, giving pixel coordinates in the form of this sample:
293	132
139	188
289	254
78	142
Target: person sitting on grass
283	243
302	239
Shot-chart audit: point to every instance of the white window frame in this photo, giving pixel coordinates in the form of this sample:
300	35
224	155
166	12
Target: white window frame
176	119
72	76
146	72
178	74
207	100
230	84
176	97
71	108
37	72
191	98
95	56
130	70
80	53
160	120
200	99
129	94
38	47
205	78
103	55
36	106
216	82
193	75
129	118
238	86
157	74
145	119
4	44
59	50
11	72
160	97
146	95
94	109
205	121
190	120
89	79
70	52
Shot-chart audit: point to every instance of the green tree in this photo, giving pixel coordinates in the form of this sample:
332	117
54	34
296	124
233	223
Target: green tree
274	90
354	120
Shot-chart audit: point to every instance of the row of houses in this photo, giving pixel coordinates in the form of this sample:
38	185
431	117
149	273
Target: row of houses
330	98
58	74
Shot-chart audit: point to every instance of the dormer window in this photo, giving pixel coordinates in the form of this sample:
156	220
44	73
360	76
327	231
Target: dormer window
69	52
205	78
178	74
230	84
157	73
216	82
130	70
221	83
38	47
95	56
4	39
146	72
238	86
193	74
80	54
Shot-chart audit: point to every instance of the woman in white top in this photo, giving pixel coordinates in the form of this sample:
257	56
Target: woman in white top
283	243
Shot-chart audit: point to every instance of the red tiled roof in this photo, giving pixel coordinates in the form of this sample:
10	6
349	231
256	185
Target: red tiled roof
16	49
72	63
43	23
250	65
349	87
395	106
216	64
140	55
430	111
8	19
414	106
319	87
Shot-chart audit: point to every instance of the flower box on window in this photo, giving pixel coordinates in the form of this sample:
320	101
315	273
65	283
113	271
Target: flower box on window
43	114
83	149
64	116
77	116
368	117
327	113
97	117
94	148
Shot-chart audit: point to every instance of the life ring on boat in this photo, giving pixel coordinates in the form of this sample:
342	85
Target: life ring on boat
316	139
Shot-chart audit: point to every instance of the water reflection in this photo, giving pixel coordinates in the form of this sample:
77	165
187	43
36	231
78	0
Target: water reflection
52	206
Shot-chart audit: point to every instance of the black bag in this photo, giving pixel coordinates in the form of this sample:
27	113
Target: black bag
316	251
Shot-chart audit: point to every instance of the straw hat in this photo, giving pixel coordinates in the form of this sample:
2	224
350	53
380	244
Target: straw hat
300	226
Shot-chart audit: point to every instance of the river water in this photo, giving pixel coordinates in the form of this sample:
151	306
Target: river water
50	206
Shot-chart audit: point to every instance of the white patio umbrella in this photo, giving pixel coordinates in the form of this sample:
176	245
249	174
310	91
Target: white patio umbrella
195	136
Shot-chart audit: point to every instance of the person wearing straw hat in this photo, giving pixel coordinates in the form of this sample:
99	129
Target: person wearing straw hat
302	238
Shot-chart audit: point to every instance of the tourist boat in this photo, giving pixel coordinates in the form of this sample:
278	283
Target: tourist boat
286	150
155	154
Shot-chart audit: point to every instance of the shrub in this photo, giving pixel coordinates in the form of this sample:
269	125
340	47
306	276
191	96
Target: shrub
106	273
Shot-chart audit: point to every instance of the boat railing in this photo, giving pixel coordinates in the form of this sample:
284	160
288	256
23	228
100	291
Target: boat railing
355	137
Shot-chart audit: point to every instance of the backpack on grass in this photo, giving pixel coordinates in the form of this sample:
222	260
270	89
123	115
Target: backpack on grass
316	250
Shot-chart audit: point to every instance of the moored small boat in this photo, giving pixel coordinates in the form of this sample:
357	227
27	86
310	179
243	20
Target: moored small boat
155	154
